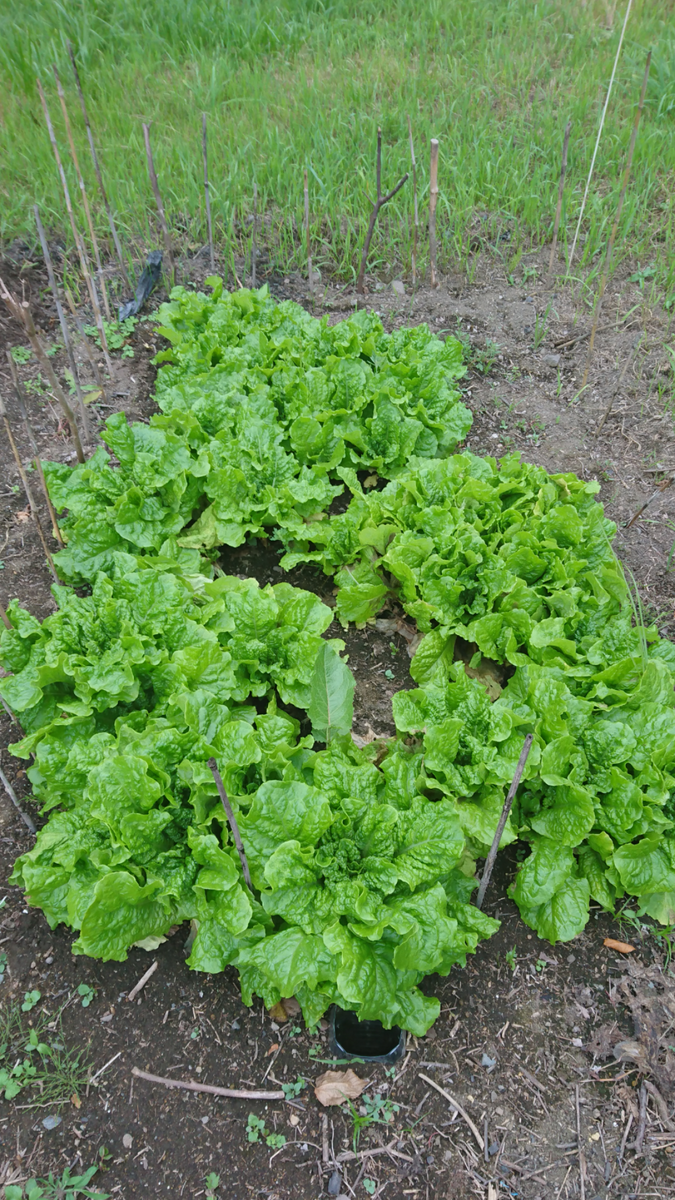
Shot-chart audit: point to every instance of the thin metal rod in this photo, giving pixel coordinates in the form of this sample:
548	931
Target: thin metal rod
13	797
416	210
83	192
160	206
490	860
597	140
561	189
62	322
213	766
433	200
84	262
309	248
207	195
617	218
92	148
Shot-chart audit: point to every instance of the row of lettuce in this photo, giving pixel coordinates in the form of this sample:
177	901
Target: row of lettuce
362	860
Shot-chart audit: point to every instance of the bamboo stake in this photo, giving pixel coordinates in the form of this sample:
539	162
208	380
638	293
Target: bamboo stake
597	140
18	391
561	189
92	148
22	313
416	210
208	197
379	203
160	207
490	860
5	619
13	797
309	252
62	322
29	495
85	341
617	218
232	821
83	192
254	247
84	262
433	199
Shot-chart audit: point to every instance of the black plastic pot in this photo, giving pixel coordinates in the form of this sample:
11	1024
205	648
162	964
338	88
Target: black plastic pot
368	1040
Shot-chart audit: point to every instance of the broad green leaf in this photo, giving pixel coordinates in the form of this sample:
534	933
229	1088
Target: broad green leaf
331	706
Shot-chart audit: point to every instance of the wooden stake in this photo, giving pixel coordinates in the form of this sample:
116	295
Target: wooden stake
160	207
83	192
29	495
433	199
213	767
597	140
309	253
617	218
21	401
561	189
5	619
92	148
232	1093
254	247
22	313
62	322
208	198
416	210
85	341
13	797
84	261
490	860
379	202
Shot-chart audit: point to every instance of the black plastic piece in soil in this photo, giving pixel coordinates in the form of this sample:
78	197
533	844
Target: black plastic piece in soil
368	1040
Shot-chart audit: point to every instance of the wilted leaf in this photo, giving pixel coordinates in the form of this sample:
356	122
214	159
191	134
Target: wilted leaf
622	947
334	1087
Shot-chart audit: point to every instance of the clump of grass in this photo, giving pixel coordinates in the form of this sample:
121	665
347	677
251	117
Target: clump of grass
36	1063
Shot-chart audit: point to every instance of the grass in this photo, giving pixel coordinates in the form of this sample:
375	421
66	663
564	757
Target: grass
40	1068
297	83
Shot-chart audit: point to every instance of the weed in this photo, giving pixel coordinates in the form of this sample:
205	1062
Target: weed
36	1057
373	1110
540	965
256	1130
291	1090
30	1000
212	1182
87	993
66	1187
3	965
117	333
369	1185
21	354
510	957
541	325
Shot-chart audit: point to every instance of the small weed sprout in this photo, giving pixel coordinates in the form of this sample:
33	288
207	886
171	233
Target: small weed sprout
30	1000
21	354
65	1187
510	957
87	993
212	1182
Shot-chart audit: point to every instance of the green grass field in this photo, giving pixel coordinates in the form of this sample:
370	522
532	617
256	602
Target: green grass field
305	83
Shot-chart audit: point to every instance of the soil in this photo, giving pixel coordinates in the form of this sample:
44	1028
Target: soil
524	1042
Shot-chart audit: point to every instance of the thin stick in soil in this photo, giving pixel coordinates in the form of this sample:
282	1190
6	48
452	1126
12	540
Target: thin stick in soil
627	363
464	1115
433	200
5	619
83	192
64	326
207	195
21	401
213	766
597	140
29	495
188	1086
85	344
415	208
84	262
254	247
168	249
582	1161
94	156
22	313
15	800
490	860
379	203
309	249
615	227
561	190
142	982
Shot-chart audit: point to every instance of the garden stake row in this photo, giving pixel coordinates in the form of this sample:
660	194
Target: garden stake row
379	202
21	401
22	314
415	208
29	495
84	261
62	322
83	193
85	342
561	189
160	207
212	259
92	148
597	141
615	227
433	199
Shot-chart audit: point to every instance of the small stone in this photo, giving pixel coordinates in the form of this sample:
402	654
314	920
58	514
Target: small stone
127	1141
399	287
294	1119
334	1184
486	1061
551	360
571	958
235	1025
51	1122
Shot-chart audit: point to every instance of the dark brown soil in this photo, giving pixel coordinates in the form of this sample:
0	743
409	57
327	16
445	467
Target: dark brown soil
515	1038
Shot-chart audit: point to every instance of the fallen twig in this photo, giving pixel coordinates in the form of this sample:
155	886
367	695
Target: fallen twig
352	1156
660	1104
642	1121
561	189
490	860
13	797
433	200
213	766
207	195
188	1086
379	202
582	1161
105	1068
160	207
627	363
661	488
142	981
456	1106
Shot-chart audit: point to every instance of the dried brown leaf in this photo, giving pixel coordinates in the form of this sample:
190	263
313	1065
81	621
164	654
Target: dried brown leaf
334	1087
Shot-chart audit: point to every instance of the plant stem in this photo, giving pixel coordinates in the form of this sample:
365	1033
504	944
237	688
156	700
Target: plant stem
490	860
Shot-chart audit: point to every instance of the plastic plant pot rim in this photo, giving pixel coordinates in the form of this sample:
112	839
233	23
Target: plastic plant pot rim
368	1029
